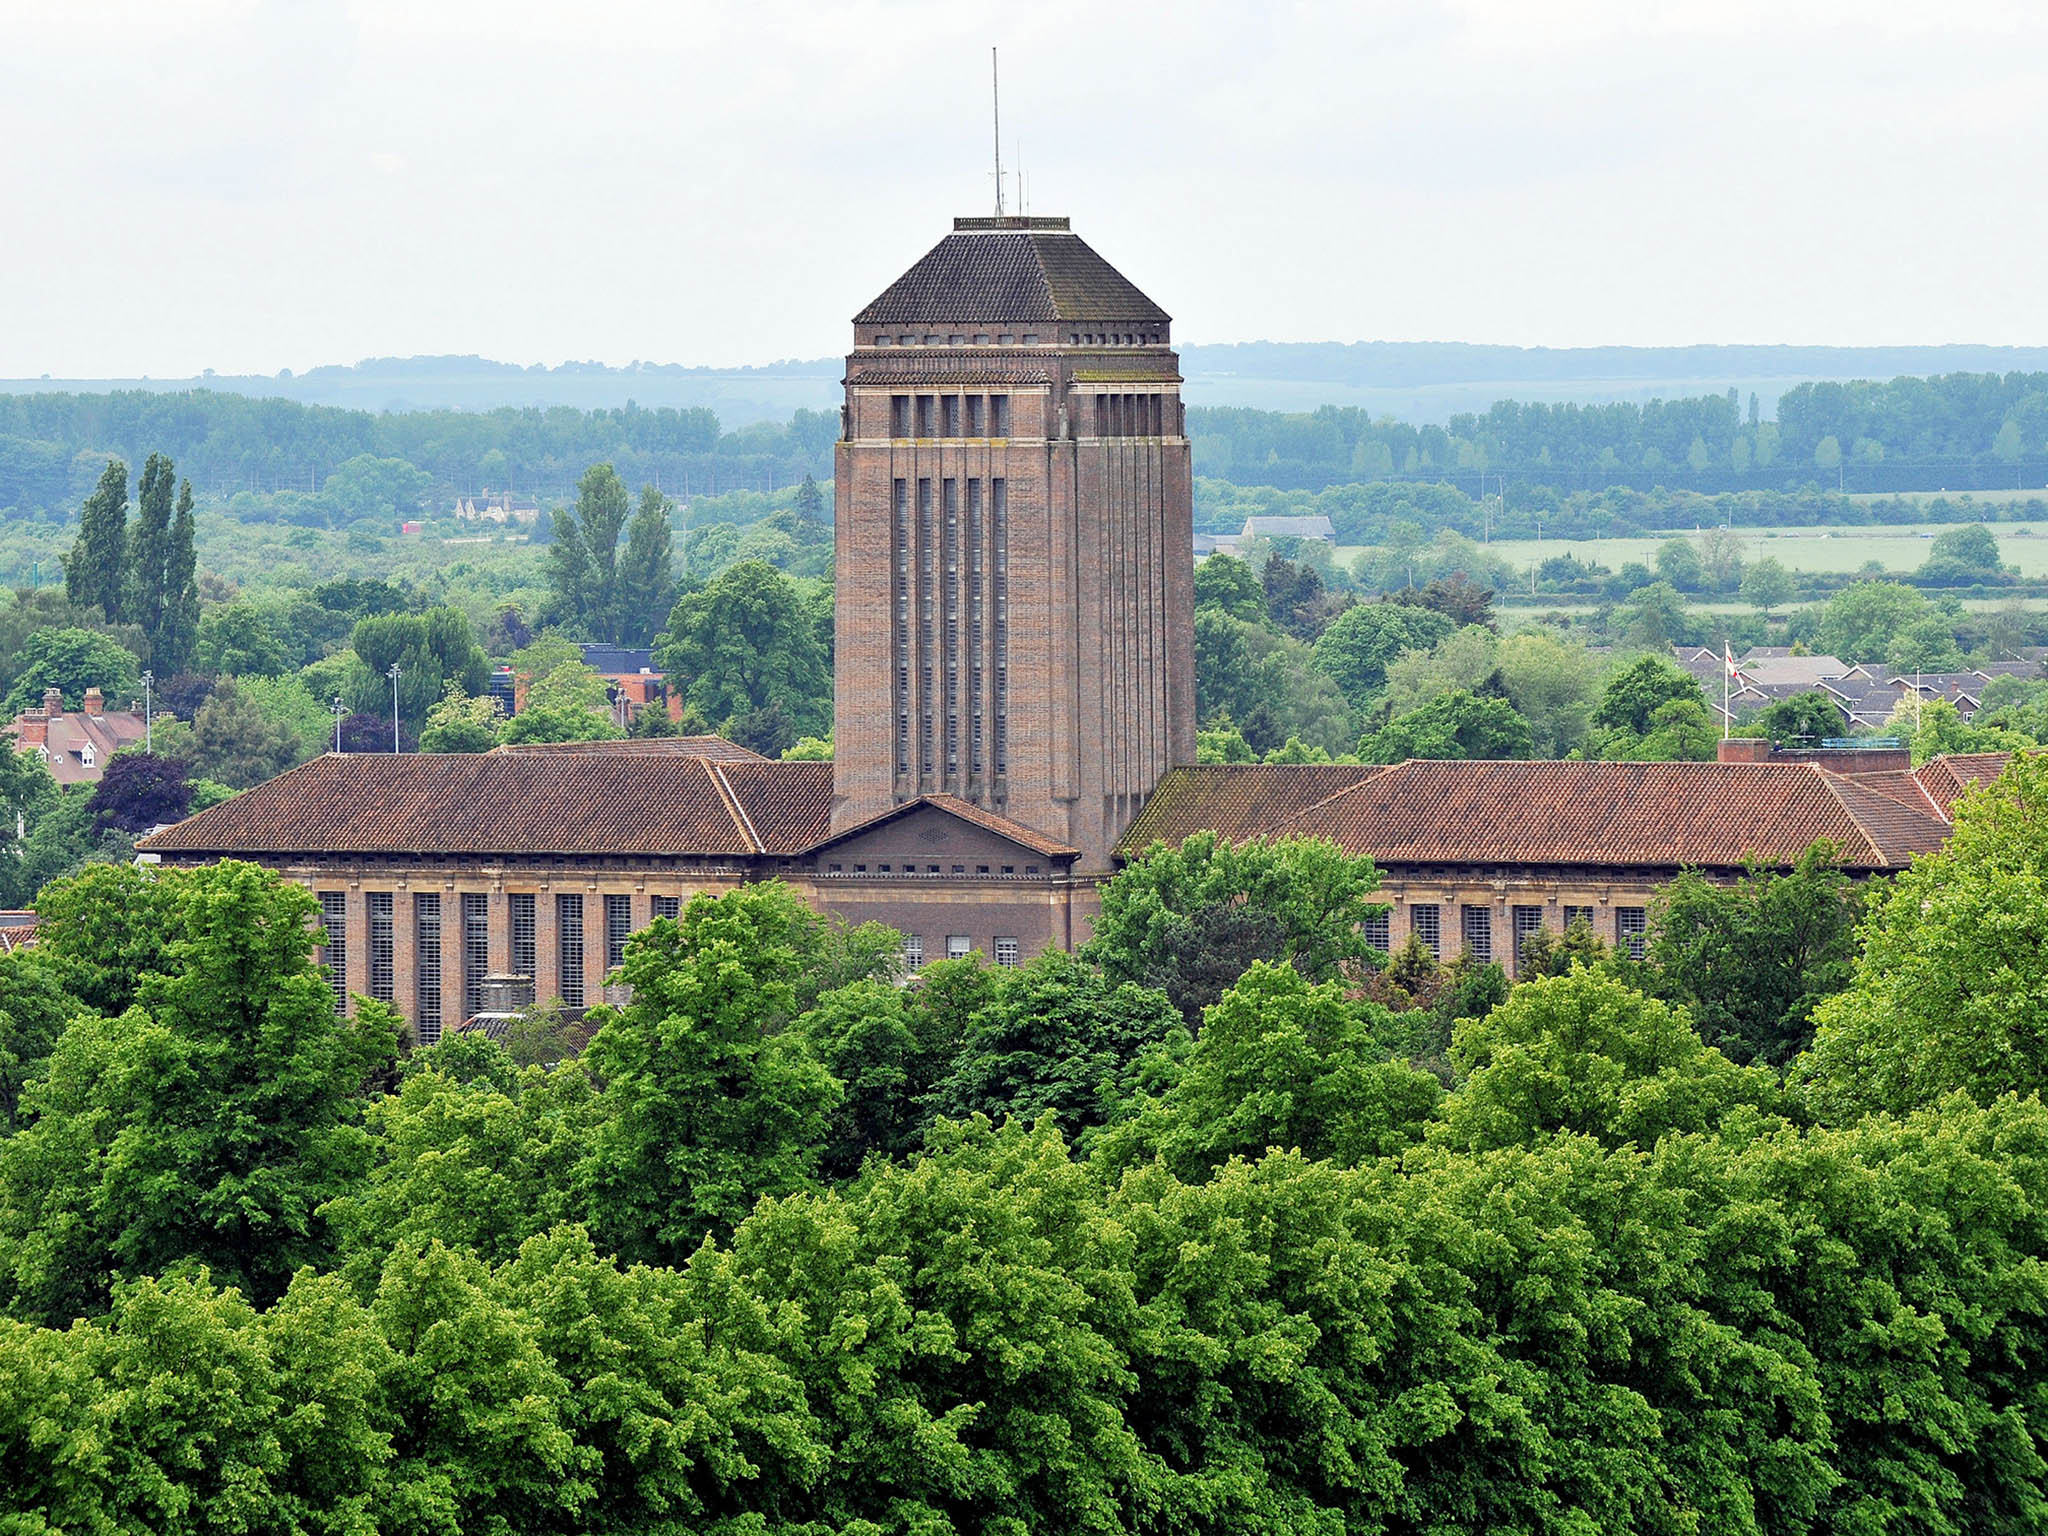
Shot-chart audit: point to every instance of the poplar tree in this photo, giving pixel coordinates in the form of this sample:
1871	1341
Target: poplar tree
149	541
583	560
93	573
171	645
647	583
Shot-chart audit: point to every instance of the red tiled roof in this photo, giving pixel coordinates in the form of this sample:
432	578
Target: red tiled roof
1499	812
1946	778
1236	800
967	811
716	747
786	806
568	802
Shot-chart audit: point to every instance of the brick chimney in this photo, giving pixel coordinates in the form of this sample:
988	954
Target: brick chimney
31	730
95	703
1744	749
53	703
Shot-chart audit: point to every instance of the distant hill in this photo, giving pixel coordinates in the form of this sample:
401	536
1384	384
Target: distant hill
1418	382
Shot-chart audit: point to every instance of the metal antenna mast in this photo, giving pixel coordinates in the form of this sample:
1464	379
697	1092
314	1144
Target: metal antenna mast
995	94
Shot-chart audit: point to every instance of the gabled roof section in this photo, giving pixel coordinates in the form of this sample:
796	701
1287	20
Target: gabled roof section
1030	270
787	806
715	747
1235	800
1948	777
973	815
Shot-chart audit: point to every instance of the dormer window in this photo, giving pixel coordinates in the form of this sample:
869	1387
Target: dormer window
85	755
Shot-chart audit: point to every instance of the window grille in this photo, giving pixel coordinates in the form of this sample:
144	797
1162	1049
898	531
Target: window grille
949	415
1425	920
999	517
618	927
334	953
924	408
1378	930
670	907
569	947
1528	921
913	952
977	412
1007	952
1578	915
476	949
899	415
383	947
426	948
1478	932
1631	925
999	411
958	946
525	933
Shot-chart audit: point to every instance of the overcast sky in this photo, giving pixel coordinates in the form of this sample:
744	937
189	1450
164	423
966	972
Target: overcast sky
249	186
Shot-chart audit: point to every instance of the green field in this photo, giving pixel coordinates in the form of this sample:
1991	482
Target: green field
1897	547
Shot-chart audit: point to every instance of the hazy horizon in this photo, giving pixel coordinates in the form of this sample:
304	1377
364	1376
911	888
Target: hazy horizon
250	185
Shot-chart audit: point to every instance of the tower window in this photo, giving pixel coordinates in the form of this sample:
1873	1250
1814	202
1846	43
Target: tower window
1030	340
476	949
999	415
899	417
569	947
883	341
977	414
924	416
949	416
618	927
981	338
525	956
334	954
426	944
383	947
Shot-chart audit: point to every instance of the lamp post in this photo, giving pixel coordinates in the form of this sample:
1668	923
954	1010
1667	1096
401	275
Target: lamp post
148	719
394	706
337	709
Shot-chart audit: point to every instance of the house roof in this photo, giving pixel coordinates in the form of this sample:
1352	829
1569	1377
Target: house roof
1659	815
72	734
1946	778
1290	527
505	803
1033	270
715	747
1808	671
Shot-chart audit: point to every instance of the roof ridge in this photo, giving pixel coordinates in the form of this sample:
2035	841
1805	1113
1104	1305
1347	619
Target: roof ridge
732	802
1836	784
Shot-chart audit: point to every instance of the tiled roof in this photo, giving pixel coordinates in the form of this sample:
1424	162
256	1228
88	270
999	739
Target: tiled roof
1024	276
969	812
1946	778
715	747
487	803
1659	815
787	806
1235	800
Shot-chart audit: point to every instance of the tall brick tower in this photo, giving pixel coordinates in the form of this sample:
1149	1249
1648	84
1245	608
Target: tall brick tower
1015	540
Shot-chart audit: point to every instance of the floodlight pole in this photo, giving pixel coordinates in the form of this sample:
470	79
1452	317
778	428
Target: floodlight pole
337	709
394	707
148	722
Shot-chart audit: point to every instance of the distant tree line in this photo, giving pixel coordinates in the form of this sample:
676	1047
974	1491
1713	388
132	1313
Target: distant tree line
1959	431
53	446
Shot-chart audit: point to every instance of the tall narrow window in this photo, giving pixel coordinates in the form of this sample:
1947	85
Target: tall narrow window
924	416
426	948
998	415
1528	921
618	927
899	415
949	415
950	489
334	953
1478	933
476	949
1425	921
569	947
976	617
383	947
977	416
999	516
900	554
1102	427
670	907
525	935
1378	930
913	952
1008	951
1631	927
928	604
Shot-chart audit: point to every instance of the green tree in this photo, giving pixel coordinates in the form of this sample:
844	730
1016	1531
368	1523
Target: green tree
170	645
206	1125
1280	1063
1189	920
1226	583
744	643
1766	585
1358	645
239	640
460	723
1223	664
432	650
647	581
72	660
28	792
1584	1052
1804	719
1860	621
583	558
709	1101
240	745
1656	618
1453	725
94	571
1947	993
1553	686
1962	556
1633	695
145	594
1059	1037
1678	562
1751	961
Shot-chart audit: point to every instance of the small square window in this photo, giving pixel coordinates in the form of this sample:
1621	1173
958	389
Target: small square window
958	946
860	869
1009	869
1030	340
931	869
981	869
981	338
885	341
1007	951
1030	869
959	869
906	341
1006	340
834	868
885	869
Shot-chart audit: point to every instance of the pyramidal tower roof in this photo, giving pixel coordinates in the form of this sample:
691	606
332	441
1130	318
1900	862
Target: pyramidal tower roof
1014	268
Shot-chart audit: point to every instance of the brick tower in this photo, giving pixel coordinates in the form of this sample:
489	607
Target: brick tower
1015	554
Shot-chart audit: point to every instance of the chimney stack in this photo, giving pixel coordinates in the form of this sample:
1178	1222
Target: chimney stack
31	730
95	703
53	703
1744	749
